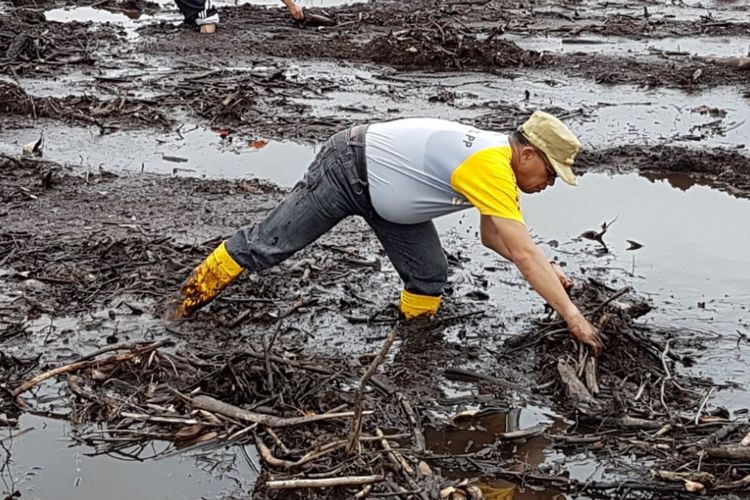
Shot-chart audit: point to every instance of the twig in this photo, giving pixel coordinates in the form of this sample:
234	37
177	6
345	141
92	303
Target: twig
703	404
416	428
322	483
79	365
215	406
401	464
356	427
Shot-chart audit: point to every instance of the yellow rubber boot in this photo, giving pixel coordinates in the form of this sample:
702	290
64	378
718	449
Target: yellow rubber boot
207	280
414	305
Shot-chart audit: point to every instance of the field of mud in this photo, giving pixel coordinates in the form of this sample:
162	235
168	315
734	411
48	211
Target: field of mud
130	145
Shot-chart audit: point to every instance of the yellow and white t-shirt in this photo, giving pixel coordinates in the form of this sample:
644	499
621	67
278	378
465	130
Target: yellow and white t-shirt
422	168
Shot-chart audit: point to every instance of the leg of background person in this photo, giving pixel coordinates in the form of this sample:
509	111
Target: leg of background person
190	9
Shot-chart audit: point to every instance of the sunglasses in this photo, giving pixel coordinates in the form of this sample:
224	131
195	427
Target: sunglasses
550	169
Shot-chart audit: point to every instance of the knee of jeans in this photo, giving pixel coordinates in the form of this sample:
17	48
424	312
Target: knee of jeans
441	270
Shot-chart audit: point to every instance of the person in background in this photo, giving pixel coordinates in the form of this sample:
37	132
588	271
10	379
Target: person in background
203	12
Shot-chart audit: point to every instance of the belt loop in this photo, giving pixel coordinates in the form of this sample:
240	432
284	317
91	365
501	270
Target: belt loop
357	144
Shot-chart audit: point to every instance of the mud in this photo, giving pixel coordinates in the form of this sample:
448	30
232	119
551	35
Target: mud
91	249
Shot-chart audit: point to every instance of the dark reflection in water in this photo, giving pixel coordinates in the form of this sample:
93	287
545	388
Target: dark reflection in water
468	435
679	181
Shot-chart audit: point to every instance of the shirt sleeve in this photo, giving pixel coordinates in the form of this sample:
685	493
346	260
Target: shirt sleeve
487	180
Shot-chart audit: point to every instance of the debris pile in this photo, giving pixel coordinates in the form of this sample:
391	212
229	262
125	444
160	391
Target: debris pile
634	399
448	48
35	46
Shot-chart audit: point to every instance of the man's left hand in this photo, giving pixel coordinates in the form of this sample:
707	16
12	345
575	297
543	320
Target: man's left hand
566	282
296	12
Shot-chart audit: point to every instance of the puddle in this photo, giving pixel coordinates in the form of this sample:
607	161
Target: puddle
612	46
607	116
46	463
677	10
301	3
169	4
466	434
129	20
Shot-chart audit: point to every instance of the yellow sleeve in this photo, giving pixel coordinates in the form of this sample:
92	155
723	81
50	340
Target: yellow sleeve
487	181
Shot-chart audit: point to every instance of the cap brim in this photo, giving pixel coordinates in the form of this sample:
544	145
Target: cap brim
564	172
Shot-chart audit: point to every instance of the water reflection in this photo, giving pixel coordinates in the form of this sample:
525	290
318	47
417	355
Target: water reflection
469	435
679	181
43	463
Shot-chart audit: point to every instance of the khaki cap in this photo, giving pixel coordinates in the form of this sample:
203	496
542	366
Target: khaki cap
554	139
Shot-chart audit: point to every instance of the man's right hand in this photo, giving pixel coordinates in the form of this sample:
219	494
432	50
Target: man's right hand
584	331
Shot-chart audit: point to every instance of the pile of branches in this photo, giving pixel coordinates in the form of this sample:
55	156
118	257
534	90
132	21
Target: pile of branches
94	270
447	48
634	400
316	423
107	115
34	44
26	178
265	101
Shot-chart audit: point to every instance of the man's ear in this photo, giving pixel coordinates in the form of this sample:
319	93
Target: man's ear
527	153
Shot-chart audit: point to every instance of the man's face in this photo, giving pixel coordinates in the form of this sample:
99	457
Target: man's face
535	173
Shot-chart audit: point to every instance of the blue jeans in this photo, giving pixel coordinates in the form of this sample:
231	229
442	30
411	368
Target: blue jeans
335	187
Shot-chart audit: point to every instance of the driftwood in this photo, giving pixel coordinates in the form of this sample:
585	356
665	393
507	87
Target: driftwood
215	406
536	430
323	483
416	428
732	452
577	391
714	437
639	423
589	372
359	395
739	62
705	478
81	365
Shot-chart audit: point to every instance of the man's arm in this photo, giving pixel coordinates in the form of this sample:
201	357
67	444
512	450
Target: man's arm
294	9
511	239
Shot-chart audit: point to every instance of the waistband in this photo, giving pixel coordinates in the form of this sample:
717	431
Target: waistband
356	140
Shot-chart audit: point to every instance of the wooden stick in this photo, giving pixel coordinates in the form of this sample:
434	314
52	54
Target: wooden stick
416	428
462	373
162	420
359	395
733	452
401	464
215	406
536	430
577	391
639	423
589	372
715	437
322	483
734	485
395	457
80	365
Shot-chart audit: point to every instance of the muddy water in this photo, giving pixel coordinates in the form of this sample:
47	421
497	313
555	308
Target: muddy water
691	268
603	116
45	464
613	46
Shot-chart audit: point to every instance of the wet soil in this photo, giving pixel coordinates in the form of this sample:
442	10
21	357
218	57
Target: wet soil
129	258
421	36
89	256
